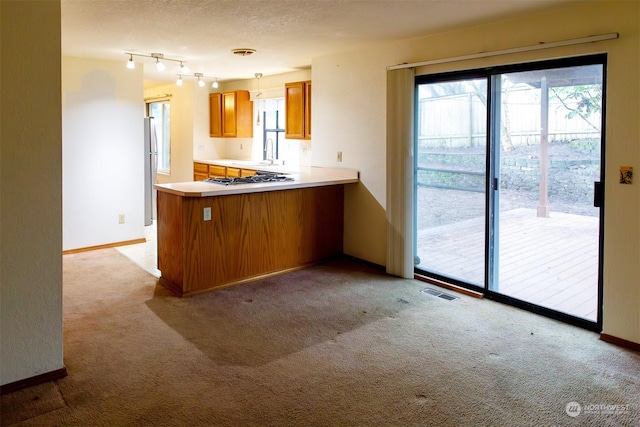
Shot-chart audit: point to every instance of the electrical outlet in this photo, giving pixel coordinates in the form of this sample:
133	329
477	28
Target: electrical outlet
339	156
207	214
121	219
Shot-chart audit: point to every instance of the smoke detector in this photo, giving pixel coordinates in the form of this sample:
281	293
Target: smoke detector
245	51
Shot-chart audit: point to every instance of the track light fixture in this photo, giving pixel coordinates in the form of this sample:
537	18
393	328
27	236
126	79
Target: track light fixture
160	59
200	77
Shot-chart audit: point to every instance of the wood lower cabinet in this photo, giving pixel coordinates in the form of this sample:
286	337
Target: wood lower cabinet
216	171
297	99
202	171
249	235
230	115
233	172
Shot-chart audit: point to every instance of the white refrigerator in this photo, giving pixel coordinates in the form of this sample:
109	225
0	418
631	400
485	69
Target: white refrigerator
150	170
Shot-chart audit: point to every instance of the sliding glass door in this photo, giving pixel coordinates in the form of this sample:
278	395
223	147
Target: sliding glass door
451	153
507	161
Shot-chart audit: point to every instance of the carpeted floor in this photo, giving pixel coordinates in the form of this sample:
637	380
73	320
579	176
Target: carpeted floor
338	344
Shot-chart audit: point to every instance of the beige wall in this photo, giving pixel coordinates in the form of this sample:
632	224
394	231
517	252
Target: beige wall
30	190
182	128
349	115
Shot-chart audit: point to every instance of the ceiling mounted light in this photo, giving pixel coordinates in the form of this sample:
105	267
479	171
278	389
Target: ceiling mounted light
258	76
130	64
179	81
215	84
245	51
183	68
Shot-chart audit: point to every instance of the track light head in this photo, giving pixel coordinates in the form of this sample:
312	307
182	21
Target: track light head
130	64
200	81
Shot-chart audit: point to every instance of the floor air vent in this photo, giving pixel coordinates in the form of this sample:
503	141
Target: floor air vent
439	294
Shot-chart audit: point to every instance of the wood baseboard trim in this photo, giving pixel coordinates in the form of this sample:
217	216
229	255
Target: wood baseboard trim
108	245
449	286
31	381
620	342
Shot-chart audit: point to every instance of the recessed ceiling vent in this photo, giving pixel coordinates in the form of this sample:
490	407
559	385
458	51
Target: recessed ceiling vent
245	51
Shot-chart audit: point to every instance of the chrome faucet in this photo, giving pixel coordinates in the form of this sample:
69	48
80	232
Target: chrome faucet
270	150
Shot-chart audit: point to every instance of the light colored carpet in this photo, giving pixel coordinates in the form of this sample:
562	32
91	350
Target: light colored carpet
338	344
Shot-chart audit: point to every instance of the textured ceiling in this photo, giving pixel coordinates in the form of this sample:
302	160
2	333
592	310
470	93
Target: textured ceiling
286	34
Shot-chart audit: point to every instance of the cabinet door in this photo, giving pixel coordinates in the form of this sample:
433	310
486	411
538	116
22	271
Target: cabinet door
200	171
215	115
294	110
233	172
244	114
216	171
307	110
229	114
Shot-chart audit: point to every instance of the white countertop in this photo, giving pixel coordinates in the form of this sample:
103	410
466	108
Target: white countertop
304	177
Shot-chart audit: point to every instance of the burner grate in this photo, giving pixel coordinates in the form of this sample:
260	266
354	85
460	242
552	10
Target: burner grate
259	178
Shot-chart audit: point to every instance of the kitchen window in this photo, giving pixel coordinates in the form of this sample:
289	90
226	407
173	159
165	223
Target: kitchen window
161	112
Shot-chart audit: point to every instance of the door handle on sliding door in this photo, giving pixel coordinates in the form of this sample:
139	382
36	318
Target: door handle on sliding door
598	194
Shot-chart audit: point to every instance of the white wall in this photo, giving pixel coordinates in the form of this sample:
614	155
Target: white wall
30	191
103	155
349	115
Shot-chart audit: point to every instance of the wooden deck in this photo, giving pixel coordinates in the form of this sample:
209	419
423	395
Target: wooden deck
551	262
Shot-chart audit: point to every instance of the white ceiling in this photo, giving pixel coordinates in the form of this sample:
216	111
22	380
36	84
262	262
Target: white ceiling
286	34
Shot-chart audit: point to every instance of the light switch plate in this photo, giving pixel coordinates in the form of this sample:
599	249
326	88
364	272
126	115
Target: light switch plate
207	214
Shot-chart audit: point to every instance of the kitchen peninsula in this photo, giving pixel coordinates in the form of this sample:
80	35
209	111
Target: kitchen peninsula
212	236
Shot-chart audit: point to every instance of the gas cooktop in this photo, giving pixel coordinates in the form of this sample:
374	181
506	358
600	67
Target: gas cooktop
259	178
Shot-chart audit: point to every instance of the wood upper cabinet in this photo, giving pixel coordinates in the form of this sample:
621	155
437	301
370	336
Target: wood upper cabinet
215	115
297	99
230	115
